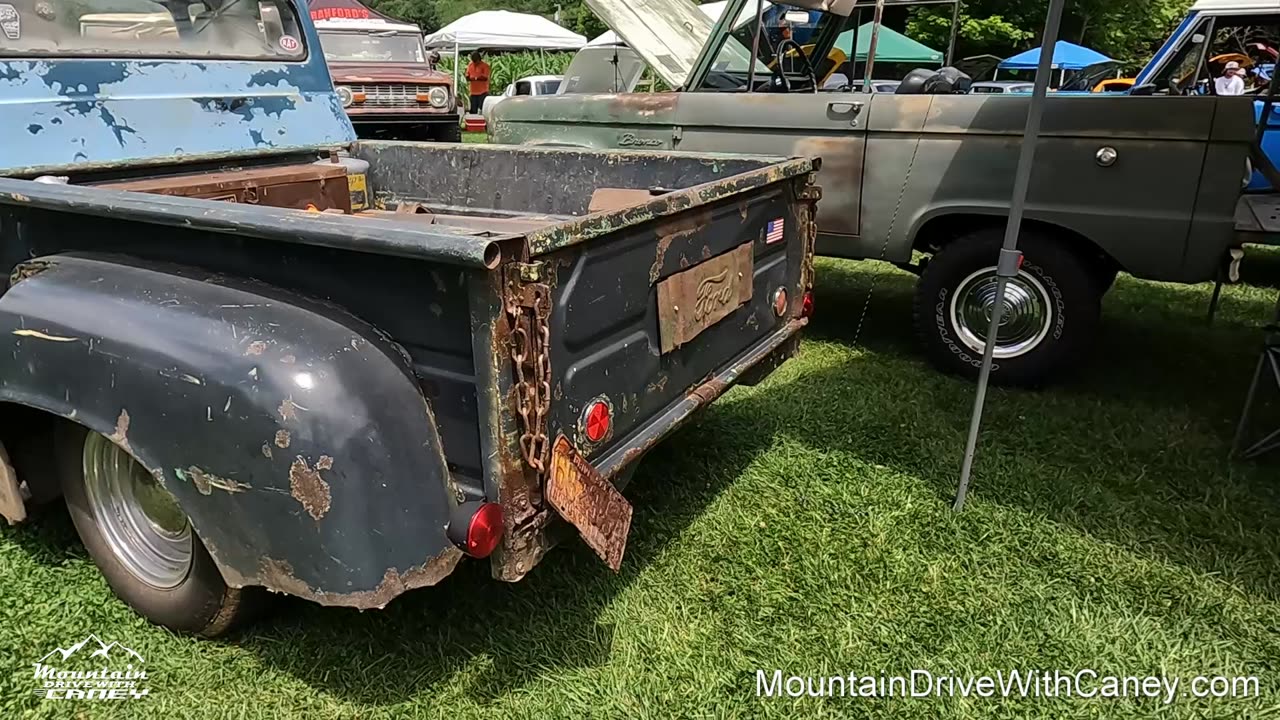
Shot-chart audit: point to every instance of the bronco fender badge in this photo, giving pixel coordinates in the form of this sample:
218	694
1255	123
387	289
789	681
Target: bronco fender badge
10	21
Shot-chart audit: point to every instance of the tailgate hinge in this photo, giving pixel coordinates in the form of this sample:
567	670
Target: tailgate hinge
531	272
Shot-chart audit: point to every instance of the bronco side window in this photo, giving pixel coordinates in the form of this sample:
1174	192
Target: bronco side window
1185	70
781	28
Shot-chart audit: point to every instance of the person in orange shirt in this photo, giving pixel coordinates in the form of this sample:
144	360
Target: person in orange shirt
477	81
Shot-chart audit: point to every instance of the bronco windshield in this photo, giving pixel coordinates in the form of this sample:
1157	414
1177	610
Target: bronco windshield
377	46
238	29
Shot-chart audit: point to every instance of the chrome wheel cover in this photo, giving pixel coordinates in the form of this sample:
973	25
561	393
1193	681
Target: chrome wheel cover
1024	323
141	522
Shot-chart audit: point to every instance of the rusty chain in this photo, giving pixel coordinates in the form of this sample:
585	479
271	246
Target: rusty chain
530	354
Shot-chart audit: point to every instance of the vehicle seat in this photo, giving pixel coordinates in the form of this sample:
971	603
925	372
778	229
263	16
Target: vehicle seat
914	82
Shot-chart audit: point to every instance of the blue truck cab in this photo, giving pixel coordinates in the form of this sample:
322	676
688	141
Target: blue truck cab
253	354
97	89
1213	33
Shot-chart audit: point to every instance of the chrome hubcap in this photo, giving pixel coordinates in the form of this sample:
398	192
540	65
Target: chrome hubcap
1024	321
141	521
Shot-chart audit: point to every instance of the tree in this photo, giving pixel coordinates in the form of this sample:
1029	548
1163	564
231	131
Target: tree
1128	31
435	14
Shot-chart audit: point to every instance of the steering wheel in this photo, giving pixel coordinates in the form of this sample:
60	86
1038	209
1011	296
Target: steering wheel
780	80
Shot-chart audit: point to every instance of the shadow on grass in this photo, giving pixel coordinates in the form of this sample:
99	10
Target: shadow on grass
1133	449
494	637
1132	452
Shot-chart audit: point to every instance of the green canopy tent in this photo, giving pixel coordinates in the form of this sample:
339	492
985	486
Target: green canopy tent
892	47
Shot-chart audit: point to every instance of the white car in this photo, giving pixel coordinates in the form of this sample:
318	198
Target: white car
532	85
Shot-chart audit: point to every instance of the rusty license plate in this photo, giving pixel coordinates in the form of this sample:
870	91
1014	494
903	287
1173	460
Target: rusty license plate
589	502
695	299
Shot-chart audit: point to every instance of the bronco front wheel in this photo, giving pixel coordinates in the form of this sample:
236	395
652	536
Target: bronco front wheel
142	542
1050	311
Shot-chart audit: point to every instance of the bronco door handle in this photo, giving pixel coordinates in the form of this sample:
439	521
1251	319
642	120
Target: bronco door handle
849	108
845	108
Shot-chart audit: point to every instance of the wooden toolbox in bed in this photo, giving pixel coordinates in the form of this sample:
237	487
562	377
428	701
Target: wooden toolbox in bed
320	187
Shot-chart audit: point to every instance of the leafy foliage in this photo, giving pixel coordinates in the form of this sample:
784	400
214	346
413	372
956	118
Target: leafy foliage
1127	31
506	69
435	14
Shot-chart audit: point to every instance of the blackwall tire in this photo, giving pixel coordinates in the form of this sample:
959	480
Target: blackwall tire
1055	299
175	584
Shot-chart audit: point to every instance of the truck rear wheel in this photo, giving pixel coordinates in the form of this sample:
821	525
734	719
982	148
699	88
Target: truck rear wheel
142	542
1051	309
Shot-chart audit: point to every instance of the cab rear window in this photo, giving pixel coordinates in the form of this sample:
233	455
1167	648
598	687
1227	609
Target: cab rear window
238	29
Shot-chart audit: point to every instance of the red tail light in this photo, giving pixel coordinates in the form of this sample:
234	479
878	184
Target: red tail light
806	304
596	421
476	527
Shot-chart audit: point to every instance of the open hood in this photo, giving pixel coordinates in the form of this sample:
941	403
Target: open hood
668	34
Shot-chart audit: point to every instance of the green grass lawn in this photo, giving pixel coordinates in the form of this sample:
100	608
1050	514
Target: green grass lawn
804	525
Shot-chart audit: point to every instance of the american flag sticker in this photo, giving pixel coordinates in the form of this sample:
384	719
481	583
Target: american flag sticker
774	230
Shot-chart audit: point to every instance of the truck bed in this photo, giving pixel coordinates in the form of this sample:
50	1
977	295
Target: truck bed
468	250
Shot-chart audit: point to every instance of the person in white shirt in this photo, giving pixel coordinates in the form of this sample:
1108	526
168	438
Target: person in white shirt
1230	83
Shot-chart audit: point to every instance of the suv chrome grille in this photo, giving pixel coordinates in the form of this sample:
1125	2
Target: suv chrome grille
392	95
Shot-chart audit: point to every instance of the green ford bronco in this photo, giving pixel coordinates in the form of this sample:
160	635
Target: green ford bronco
922	177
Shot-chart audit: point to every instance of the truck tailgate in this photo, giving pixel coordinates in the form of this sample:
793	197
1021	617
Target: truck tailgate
655	310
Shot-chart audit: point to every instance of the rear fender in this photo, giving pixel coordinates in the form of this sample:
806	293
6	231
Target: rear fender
293	435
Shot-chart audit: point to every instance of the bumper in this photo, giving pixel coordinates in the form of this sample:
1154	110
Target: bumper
765	356
402	118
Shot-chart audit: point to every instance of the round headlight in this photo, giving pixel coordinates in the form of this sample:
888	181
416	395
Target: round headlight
439	97
345	95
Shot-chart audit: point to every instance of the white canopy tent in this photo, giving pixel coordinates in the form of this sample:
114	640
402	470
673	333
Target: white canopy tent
501	30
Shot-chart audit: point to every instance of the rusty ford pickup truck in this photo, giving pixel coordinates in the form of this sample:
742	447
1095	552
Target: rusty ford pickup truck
240	380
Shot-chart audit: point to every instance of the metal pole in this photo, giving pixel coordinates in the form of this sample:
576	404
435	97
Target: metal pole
955	30
755	46
853	51
1010	257
871	47
456	91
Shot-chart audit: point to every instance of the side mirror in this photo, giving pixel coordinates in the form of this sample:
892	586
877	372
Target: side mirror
1145	89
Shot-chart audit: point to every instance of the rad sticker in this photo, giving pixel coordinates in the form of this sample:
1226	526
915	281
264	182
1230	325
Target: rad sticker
290	44
10	22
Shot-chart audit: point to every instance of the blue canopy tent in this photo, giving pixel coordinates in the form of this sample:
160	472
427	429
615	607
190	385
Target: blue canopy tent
1066	57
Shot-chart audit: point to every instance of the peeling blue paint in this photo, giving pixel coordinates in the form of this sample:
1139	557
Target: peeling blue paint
114	111
118	128
258	139
78	79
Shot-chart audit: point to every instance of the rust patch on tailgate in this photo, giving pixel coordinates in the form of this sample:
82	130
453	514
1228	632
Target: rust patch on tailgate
589	502
694	300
